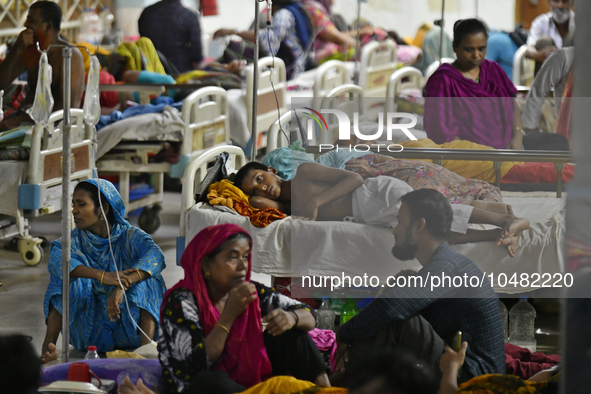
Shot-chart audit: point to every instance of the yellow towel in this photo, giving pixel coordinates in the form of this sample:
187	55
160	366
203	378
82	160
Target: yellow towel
226	194
141	52
482	170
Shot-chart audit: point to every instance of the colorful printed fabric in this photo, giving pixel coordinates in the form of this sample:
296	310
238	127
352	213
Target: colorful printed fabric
132	248
501	384
420	174
226	194
282	40
324	50
482	170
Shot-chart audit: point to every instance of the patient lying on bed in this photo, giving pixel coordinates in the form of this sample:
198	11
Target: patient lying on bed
329	194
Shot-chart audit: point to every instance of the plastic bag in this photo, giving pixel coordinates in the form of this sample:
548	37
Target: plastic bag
92	105
43	104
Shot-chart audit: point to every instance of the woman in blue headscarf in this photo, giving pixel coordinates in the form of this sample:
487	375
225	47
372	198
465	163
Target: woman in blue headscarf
98	314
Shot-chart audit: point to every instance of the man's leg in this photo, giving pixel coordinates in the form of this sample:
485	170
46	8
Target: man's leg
414	335
295	353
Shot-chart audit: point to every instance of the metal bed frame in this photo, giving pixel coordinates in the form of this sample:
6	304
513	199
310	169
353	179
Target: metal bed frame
498	157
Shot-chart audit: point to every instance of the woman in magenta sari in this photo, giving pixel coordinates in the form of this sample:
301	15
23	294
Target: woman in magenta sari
472	98
211	338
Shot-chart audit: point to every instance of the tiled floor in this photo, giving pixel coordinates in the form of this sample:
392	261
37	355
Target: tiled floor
23	289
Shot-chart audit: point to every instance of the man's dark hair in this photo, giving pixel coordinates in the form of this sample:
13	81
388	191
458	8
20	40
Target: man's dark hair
93	191
433	207
50	12
395	372
243	172
465	27
19	365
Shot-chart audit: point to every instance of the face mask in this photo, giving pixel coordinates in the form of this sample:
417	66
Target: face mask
560	15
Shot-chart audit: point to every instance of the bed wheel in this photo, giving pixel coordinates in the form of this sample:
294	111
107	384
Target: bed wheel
30	250
149	220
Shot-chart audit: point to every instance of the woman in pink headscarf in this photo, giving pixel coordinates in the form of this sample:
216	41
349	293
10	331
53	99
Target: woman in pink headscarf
211	338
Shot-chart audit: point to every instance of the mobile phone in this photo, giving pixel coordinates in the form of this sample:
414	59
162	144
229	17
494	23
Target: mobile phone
456	343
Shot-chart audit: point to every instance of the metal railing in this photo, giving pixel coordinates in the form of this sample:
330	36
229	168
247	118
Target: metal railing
498	157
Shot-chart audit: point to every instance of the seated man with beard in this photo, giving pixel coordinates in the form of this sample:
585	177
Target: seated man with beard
422	320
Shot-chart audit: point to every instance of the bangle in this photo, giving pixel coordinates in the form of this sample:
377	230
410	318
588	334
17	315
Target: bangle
297	319
519	129
139	274
102	277
223	327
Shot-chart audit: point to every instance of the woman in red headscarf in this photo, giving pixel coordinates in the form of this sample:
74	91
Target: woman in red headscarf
211	337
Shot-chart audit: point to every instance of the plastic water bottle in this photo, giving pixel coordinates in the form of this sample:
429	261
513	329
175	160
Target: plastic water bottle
92	354
325	315
106	21
505	320
90	27
521	330
350	309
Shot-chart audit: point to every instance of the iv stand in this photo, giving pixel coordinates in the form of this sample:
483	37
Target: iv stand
66	179
255	83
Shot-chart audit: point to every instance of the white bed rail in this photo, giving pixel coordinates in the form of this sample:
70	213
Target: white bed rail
348	98
276	138
405	78
378	62
523	68
207	115
434	66
329	75
196	171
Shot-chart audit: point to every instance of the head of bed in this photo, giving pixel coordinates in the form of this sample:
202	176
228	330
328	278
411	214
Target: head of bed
271	92
45	159
350	99
329	75
378	62
292	126
405	78
206	114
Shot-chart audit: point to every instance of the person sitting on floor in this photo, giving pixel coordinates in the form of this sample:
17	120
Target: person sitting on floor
419	319
211	339
329	194
473	99
43	28
107	253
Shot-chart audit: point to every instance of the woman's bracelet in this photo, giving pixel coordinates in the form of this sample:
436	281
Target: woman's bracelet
102	277
297	319
223	327
139	274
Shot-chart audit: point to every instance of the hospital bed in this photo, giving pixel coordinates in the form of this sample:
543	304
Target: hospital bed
203	123
33	187
294	248
377	63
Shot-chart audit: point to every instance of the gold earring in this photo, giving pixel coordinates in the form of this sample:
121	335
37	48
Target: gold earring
207	275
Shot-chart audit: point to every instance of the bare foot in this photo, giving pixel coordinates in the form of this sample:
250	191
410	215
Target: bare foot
49	353
511	243
514	226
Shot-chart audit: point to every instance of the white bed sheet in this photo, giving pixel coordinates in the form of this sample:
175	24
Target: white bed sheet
331	248
165	126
